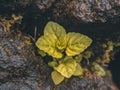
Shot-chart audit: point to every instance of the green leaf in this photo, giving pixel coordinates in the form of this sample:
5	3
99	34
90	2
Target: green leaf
79	71
78	58
47	44
57	77
67	67
76	43
87	54
52	64
61	44
42	53
110	46
96	68
58	31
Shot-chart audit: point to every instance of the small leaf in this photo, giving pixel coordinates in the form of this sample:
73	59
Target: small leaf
47	44
58	31
78	58
79	71
110	46
42	53
96	68
52	64
57	77
66	68
87	54
76	43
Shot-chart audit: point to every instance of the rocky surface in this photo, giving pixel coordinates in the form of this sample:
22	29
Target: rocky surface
96	10
82	11
18	64
20	69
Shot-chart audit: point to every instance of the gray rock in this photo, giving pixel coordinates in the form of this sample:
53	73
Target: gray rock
8	86
44	4
96	10
20	69
85	11
18	65
11	55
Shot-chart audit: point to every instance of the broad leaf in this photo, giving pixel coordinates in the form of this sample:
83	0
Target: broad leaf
76	43
67	68
79	71
47	44
58	31
57	77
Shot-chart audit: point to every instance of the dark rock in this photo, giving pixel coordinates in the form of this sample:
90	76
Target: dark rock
44	4
85	11
11	54
92	11
18	64
86	84
20	69
8	86
41	4
113	66
82	11
24	3
22	6
75	15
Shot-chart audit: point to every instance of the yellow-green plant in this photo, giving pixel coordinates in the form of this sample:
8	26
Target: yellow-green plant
62	47
97	69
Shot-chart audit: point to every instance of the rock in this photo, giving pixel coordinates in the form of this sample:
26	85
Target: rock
20	6
113	66
18	64
75	15
83	11
11	53
92	11
44	4
86	11
41	4
86	84
8	86
20	69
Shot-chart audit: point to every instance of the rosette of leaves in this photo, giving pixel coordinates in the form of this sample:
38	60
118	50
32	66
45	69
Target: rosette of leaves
65	68
62	46
55	41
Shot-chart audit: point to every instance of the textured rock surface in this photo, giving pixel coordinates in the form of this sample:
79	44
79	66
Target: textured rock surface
21	5
20	69
96	10
83	11
18	65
